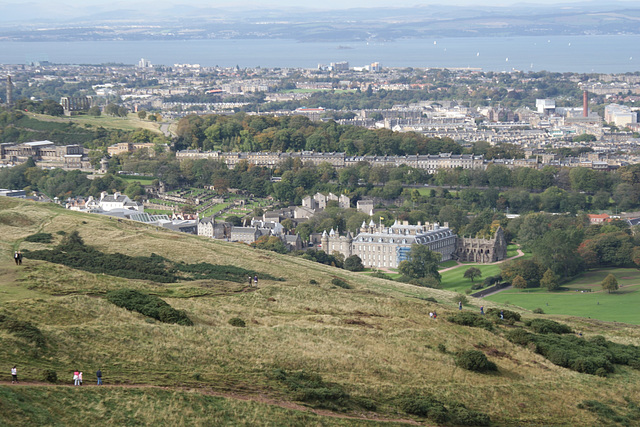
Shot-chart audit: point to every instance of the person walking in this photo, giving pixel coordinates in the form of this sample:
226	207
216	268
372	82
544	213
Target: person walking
99	375
482	309
501	315
15	257
459	305
250	281
19	258
76	378
255	280
14	375
80	377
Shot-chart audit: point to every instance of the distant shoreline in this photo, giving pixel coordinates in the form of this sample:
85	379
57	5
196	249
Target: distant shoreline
580	54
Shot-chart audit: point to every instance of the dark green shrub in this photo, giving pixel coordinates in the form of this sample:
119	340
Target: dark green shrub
601	372
507	314
424	407
538	310
441	412
311	388
73	253
340	283
61	233
237	322
466	318
476	361
519	336
313	282
442	348
39	238
148	305
460	415
50	376
545	326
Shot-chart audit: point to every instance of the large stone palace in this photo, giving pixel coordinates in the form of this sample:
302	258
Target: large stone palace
385	247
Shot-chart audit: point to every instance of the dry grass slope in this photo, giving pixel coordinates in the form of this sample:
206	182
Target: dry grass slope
375	340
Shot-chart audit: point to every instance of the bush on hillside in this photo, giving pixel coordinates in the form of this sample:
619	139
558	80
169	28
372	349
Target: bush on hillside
50	376
308	387
441	412
545	326
73	253
148	305
237	322
336	281
596	356
466	318
39	238
476	361
507	314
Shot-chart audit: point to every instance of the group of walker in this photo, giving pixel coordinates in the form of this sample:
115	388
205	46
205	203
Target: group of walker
77	376
253	281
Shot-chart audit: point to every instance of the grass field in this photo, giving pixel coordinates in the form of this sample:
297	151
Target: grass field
131	122
374	341
144	180
619	306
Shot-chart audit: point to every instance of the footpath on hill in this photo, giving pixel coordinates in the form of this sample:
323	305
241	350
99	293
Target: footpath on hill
260	398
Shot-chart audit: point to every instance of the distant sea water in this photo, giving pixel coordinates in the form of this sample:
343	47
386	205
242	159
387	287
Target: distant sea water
583	54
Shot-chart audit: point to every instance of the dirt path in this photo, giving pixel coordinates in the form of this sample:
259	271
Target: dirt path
260	398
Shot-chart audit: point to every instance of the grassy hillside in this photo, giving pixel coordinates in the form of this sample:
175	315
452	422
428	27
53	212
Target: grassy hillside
129	123
370	345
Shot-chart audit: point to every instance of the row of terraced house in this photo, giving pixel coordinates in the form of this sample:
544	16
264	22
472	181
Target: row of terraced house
430	162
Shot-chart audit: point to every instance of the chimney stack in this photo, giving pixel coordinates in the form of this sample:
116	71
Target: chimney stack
585	104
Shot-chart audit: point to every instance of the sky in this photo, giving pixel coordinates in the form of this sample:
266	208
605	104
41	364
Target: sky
325	4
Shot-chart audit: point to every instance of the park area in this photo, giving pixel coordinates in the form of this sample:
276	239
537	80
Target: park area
584	297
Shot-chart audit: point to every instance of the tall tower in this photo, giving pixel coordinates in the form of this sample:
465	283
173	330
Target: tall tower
585	104
9	92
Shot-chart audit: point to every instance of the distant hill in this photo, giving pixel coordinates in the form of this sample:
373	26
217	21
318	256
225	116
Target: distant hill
309	353
164	22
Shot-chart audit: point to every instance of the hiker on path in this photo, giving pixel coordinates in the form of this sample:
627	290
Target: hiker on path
99	375
482	309
76	376
501	315
19	258
250	281
14	375
80	377
15	257
255	280
459	305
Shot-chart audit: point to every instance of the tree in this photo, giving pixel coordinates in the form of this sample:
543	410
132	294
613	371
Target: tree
528	269
94	111
519	283
235	220
142	114
610	283
421	262
472	273
549	281
353	263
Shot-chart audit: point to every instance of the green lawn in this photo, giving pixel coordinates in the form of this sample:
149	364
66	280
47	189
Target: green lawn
144	180
453	280
512	250
620	306
447	264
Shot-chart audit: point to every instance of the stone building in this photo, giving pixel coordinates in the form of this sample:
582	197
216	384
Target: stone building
482	251
216	230
385	247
